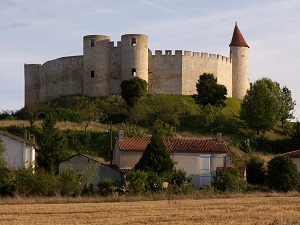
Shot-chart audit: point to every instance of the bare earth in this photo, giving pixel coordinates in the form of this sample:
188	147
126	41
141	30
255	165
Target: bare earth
239	210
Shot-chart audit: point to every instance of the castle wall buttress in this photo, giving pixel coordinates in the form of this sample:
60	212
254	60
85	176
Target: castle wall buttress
60	77
31	76
165	72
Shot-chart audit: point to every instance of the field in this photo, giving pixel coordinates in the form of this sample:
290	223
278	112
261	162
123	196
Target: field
243	209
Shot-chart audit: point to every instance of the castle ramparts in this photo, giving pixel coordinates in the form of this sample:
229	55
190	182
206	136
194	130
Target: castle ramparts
103	66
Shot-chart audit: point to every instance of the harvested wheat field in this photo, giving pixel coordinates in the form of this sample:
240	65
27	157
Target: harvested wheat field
227	210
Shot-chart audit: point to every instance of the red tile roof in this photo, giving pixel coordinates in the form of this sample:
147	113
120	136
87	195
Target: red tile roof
237	38
17	137
175	145
293	154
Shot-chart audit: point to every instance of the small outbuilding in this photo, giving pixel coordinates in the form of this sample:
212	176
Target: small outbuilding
81	163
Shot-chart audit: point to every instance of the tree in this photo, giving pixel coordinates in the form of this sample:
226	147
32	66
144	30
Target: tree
133	90
155	158
255	171
52	144
260	106
282	174
287	105
210	92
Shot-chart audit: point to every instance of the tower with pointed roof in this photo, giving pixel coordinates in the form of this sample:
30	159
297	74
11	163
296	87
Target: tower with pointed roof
239	51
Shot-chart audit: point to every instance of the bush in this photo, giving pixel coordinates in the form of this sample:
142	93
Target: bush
138	182
69	182
106	187
231	181
255	171
282	174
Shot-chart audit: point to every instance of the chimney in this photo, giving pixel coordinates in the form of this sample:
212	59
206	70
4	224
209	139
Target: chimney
121	135
219	136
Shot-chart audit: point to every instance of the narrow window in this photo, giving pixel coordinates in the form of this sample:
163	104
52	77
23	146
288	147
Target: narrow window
133	41
133	72
92	42
92	74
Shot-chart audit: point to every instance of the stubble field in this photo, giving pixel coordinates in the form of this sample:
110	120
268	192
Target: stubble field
260	210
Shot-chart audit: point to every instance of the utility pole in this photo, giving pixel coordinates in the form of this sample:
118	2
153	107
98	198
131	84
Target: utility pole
111	144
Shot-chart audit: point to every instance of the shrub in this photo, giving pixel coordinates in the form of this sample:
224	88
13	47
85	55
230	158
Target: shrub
255	171
282	174
138	182
69	182
231	181
106	187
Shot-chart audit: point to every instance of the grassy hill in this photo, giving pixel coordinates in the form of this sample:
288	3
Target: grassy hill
178	111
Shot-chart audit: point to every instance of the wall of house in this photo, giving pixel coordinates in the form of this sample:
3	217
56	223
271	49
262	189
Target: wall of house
79	163
17	153
297	162
105	172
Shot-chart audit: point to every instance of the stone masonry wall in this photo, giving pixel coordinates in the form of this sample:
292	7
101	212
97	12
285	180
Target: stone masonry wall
60	77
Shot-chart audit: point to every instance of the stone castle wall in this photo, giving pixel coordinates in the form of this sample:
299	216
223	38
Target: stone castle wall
103	66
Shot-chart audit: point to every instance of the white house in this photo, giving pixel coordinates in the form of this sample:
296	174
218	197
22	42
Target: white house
18	151
198	157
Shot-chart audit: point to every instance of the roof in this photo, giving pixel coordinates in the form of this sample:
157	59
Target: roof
237	38
293	154
176	145
17	137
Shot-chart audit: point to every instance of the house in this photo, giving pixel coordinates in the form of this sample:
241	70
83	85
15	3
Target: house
199	158
18	151
81	163
295	156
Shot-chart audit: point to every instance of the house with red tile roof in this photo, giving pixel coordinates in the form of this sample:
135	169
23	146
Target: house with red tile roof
198	157
295	156
18	151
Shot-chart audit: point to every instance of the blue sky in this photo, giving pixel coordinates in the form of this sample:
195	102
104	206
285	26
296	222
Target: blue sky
35	31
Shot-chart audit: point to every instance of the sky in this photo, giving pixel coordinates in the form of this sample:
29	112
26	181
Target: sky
36	31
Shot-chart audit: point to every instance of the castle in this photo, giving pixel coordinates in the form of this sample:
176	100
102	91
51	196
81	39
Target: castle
103	66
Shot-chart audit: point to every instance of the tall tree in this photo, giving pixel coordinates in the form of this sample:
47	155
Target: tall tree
287	106
52	144
155	158
260	106
209	91
133	90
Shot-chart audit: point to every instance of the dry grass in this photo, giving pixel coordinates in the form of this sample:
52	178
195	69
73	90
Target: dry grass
224	209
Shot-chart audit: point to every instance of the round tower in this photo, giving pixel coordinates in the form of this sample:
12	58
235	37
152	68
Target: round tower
134	56
32	86
96	59
239	56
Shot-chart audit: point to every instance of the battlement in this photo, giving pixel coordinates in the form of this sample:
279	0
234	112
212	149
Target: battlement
186	53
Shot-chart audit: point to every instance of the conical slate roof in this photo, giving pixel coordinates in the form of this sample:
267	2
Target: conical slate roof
237	38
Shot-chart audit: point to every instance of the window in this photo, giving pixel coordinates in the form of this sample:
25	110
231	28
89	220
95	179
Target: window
92	74
92	42
133	41
205	164
133	72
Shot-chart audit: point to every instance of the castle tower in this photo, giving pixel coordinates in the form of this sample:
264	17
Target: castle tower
239	56
96	59
134	56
